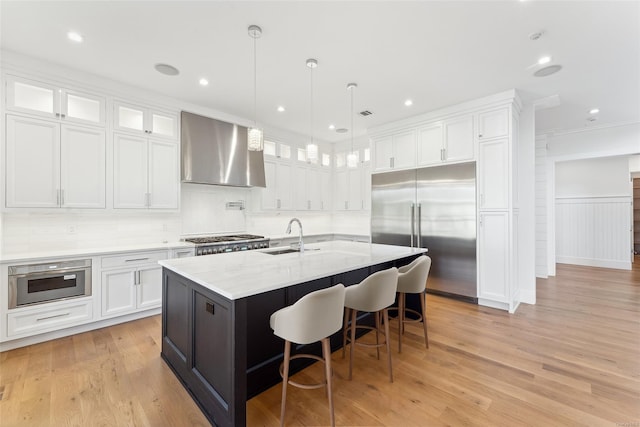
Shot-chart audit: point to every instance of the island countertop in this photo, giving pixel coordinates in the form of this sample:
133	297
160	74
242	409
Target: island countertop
242	274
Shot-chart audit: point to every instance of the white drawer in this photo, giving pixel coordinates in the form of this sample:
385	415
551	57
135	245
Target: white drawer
46	319
133	259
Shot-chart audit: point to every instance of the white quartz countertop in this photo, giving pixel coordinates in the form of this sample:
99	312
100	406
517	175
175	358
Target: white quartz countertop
241	274
89	252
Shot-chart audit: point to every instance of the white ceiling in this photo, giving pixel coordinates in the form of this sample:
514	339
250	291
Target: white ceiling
436	53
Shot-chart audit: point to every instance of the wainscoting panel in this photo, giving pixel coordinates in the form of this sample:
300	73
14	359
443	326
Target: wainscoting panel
594	231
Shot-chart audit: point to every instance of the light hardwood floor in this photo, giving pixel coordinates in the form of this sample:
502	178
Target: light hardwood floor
572	359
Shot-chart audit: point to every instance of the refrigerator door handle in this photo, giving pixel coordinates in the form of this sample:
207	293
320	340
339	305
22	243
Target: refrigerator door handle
413	223
419	221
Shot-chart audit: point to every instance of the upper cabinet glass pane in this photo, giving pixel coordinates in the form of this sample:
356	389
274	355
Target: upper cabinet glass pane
302	154
269	148
32	97
130	118
367	155
285	151
340	160
326	159
163	125
83	108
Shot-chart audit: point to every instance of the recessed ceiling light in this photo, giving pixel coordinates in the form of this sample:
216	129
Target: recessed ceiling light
75	37
203	82
342	130
591	119
408	103
594	111
332	126
548	70
166	69
536	35
544	60
281	109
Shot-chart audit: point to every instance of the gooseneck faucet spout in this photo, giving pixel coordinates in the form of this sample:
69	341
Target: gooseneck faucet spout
300	242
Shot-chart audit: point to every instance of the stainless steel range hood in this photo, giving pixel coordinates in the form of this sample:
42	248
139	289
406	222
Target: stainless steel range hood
215	152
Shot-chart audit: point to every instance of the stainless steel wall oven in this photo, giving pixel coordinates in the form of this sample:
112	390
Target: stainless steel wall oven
39	283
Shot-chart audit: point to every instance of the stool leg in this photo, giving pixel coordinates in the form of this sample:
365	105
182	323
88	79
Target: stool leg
385	314
378	326
401	302
344	330
353	340
423	303
326	354
285	379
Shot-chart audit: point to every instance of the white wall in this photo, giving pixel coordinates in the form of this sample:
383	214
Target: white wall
600	177
541	207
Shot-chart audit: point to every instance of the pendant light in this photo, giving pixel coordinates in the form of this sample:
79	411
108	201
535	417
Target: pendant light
312	148
255	137
352	157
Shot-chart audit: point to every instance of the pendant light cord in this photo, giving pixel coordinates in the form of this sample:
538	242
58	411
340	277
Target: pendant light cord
255	85
352	130
311	109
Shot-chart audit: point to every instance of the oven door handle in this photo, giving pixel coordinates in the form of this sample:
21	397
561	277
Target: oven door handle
50	272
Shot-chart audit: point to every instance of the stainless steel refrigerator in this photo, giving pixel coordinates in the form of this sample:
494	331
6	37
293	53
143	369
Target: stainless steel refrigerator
433	208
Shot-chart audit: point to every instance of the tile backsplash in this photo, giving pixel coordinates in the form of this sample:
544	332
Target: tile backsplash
203	210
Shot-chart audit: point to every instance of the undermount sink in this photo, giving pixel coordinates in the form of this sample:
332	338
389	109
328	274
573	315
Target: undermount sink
281	251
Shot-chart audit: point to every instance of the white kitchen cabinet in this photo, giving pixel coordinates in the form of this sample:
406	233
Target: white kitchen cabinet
131	282
182	253
351	186
311	188
459	139
51	101
493	256
145	173
49	317
397	151
52	165
493	174
278	193
145	120
430	144
447	141
493	124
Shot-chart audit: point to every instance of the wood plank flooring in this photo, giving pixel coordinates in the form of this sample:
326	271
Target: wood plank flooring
573	359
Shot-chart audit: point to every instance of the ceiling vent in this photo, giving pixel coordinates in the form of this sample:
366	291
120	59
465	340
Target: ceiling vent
365	113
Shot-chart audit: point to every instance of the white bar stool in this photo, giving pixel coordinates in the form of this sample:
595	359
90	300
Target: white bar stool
412	279
374	294
314	317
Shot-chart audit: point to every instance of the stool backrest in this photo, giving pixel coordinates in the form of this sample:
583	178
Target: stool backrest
374	293
412	278
313	317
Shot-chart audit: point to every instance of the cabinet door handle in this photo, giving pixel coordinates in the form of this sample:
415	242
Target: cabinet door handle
61	197
278	204
57	197
51	317
322	205
135	259
346	206
479	135
210	308
309	204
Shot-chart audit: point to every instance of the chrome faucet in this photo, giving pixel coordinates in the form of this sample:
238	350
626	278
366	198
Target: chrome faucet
300	242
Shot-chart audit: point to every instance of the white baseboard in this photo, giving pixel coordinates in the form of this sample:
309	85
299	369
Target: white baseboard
493	304
527	297
589	262
35	339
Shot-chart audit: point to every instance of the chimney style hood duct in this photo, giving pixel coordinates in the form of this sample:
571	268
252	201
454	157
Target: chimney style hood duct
215	152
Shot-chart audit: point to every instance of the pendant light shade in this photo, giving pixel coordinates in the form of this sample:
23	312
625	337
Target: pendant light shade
312	147
352	157
255	137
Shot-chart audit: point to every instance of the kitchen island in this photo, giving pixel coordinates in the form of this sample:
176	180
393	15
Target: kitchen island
215	315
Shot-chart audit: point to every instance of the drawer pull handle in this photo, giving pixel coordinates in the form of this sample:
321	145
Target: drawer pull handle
136	259
52	317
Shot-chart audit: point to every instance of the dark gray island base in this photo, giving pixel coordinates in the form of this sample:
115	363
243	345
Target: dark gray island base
223	350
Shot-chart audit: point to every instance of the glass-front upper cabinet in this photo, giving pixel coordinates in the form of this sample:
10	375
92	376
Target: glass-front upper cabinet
138	119
48	100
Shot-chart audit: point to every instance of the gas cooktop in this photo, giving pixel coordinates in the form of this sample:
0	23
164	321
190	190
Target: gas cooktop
222	239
